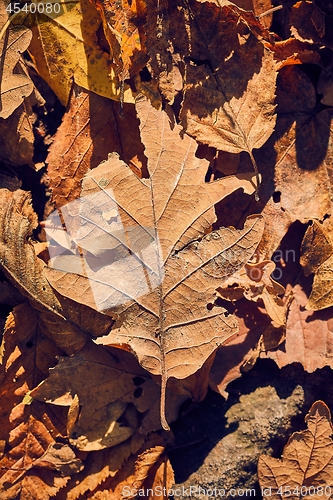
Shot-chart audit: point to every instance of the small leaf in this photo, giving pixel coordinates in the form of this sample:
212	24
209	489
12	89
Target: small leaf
309	338
17	134
91	128
123	27
60	457
27	430
307	460
228	103
65	47
66	324
104	384
15	83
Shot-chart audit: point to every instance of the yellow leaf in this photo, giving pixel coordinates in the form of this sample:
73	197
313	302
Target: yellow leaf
65	47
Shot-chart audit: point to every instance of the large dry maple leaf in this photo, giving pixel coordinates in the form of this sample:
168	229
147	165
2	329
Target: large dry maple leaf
136	249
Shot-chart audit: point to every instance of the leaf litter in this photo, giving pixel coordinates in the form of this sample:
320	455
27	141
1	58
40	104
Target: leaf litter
142	257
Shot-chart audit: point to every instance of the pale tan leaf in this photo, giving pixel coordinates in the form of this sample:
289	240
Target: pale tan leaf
107	386
18	260
165	298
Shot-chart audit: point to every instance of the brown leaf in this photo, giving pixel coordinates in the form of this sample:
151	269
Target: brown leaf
153	472
105	383
316	248
291	51
15	82
308	22
9	295
322	291
162	65
17	135
300	155
27	430
187	279
317	257
325	5
93	417
60	457
228	103
260	9
325	86
123	27
254	282
104	465
231	357
25	270
139	475
91	128
309	336
307	463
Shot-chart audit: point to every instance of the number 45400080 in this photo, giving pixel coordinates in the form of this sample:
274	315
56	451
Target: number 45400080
34	7
321	491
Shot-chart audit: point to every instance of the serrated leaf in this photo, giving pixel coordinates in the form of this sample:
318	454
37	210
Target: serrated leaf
15	83
27	430
307	463
118	255
228	100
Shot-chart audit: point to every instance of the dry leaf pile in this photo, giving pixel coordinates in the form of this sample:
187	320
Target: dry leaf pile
195	146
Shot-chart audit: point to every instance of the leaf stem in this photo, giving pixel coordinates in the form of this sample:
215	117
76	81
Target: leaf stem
274	9
269	11
164	423
7	23
255	168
